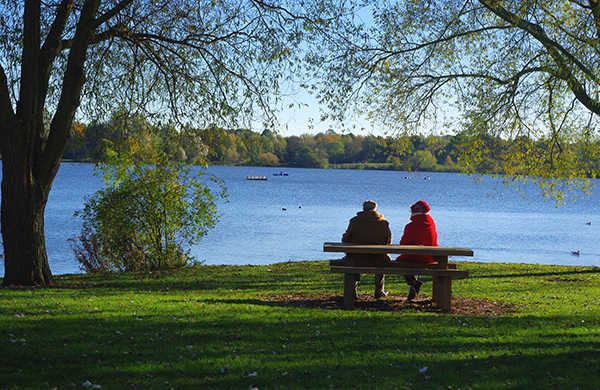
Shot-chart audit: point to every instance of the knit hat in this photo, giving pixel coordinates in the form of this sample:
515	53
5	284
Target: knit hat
369	205
423	205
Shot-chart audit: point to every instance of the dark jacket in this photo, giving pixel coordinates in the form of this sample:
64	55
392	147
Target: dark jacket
368	227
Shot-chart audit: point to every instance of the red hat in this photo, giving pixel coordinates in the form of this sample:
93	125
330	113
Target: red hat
423	205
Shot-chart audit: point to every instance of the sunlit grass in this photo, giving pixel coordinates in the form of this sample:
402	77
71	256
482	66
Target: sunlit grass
214	327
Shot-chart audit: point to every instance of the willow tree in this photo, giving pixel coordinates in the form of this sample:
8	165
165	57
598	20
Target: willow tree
199	62
517	80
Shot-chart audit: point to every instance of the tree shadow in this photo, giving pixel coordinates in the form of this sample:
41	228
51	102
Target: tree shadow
554	276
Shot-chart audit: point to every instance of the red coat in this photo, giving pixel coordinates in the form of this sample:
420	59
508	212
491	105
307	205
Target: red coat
420	231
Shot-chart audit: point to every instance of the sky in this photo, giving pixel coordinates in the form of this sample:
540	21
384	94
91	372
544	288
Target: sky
297	121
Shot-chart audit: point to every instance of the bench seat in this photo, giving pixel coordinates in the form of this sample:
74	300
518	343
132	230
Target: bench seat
400	264
397	271
442	271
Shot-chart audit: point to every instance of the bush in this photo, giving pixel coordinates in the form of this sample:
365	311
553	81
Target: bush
145	220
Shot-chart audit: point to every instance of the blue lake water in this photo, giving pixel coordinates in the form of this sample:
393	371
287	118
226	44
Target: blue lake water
287	218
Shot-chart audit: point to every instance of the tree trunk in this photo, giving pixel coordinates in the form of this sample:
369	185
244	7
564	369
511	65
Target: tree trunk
22	221
30	157
25	258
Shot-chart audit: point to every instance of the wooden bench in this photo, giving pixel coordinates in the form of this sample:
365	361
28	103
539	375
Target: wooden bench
442	271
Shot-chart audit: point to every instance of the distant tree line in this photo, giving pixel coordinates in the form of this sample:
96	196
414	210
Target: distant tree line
330	150
218	146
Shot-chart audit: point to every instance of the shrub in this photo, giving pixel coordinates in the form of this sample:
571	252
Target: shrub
145	220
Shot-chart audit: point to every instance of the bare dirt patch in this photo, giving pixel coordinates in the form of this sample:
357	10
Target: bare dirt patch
394	303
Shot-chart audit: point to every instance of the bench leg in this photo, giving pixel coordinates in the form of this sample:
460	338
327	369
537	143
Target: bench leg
349	289
443	299
442	286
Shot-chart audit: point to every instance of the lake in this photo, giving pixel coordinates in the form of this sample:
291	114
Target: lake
287	218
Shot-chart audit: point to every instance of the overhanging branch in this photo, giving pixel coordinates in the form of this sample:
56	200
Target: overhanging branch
558	53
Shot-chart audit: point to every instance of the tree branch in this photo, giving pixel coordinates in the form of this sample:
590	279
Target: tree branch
6	112
561	56
74	77
52	45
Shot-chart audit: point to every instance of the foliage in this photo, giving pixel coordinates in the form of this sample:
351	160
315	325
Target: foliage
177	61
472	153
100	142
466	152
219	327
488	70
144	219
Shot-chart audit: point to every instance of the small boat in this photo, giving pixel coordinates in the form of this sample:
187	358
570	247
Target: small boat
256	178
281	174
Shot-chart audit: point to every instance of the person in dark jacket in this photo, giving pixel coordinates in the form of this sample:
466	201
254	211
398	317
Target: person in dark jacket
369	227
420	231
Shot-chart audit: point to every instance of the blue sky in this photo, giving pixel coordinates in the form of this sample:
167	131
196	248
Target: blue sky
296	121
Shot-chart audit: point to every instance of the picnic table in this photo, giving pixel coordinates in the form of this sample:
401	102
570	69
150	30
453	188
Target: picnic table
442	271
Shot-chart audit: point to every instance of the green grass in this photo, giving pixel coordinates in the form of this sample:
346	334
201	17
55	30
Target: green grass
215	327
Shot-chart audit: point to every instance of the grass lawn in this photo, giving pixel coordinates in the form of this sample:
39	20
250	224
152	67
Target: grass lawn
243	327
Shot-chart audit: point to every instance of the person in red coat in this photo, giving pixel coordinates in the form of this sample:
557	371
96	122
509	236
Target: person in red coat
420	231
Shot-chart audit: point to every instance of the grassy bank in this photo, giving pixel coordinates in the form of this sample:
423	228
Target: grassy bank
244	327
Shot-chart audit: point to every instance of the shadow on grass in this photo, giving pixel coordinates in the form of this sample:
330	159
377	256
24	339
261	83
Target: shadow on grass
238	347
275	328
490	270
299	276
